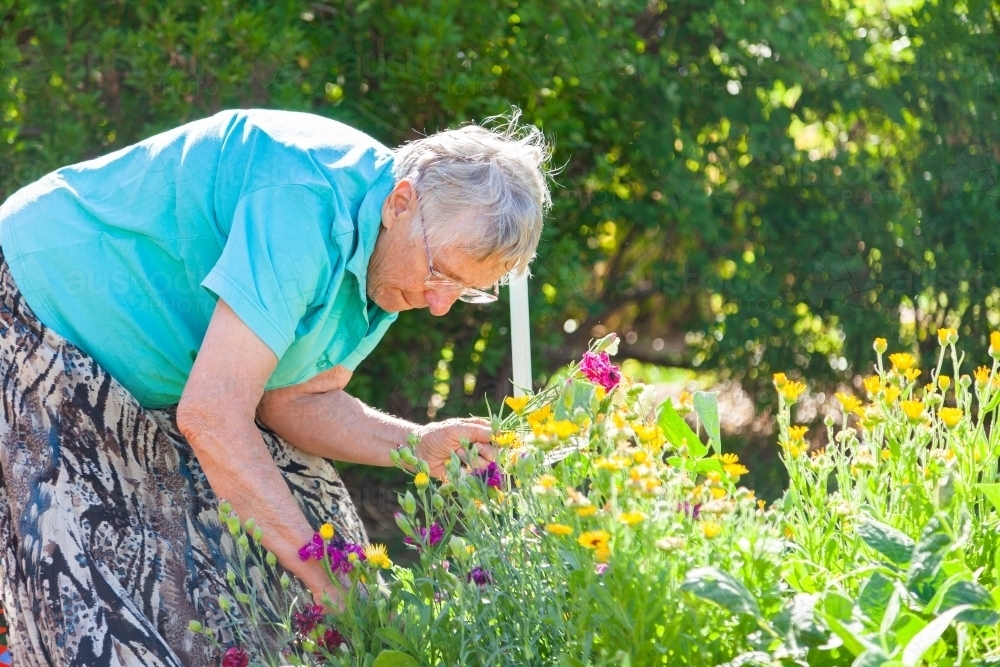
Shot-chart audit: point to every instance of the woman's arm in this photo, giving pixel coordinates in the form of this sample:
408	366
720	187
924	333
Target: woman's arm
216	415
320	418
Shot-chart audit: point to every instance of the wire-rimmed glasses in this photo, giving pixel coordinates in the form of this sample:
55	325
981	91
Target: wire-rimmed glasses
441	283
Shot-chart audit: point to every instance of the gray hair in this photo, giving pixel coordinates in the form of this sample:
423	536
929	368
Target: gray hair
482	187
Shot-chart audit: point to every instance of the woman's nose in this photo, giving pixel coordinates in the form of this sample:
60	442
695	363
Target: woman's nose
439	303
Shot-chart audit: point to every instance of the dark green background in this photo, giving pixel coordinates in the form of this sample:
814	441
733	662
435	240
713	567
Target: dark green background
753	186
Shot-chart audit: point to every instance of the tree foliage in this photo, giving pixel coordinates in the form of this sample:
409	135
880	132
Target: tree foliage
753	186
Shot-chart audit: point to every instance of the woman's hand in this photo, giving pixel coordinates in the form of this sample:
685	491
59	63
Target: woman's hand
439	439
314	578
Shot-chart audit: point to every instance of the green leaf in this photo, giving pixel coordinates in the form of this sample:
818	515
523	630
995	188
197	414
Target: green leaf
975	595
838	605
891	543
992	493
926	560
926	638
393	637
570	661
394	659
849	633
716	586
709	465
706	404
873	657
874	597
678	432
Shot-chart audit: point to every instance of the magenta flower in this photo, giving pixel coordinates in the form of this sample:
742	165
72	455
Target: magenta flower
432	537
600	568
331	640
599	370
313	549
235	657
305	621
479	576
491	474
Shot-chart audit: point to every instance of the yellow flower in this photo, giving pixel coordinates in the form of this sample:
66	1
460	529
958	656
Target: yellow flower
995	343
640	456
913	409
612	463
547	481
950	416
891	394
911	374
538	418
517	404
983	372
797	433
648	434
586	510
850	403
944	382
714	477
880	345
792	390
600	392
946	336
873	384
718	492
507	439
558	529
885	454
326	531
780	380
794	451
731	464
563	428
902	361
594	539
685	399
710	529
377	556
631	518
421	480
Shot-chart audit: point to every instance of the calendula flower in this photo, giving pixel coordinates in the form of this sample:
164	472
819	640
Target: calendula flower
612	463
911	374
880	345
586	510
563	428
995	344
794	451
547	481
944	382
631	518
710	529
421	480
731	464
946	336
594	539
850	403
873	385
780	381
517	404
640	456
326	531
507	439
885	454
891	394
560	529
647	434
792	390
983	372
913	409
902	361
377	555
950	416
797	433
717	492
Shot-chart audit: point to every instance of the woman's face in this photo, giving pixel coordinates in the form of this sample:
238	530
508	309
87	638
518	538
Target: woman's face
399	263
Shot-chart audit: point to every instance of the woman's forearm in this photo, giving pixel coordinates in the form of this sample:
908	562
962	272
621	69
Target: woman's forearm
336	425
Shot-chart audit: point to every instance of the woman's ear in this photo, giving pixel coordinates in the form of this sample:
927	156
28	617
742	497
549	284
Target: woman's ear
400	200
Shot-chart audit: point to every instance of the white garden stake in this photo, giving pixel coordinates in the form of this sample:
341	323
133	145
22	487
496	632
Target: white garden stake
520	334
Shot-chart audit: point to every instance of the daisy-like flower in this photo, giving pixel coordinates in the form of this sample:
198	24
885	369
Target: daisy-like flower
780	380
914	410
891	394
850	403
377	555
560	529
710	529
946	336
507	439
797	433
873	385
731	464
563	428
598	369
902	361
586	510
792	390
612	463
950	416
421	480
911	374
944	382
517	404
631	518
594	539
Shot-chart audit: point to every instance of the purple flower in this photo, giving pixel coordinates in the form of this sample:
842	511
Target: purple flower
599	370
491	474
340	559
305	621
600	568
479	576
235	657
432	537
313	549
687	508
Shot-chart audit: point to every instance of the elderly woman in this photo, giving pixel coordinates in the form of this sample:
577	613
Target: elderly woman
178	320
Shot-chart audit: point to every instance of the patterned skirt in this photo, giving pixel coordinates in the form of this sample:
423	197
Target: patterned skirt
109	535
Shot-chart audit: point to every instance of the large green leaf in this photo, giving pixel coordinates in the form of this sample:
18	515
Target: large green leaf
678	432
923	640
891	543
716	586
970	593
875	595
928	554
706	404
992	492
395	659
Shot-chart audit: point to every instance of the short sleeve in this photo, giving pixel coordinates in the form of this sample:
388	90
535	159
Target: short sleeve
277	261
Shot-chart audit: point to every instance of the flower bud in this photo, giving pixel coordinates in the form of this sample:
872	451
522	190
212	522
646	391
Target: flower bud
965	381
250	525
408	503
327	531
437	502
258	534
243	598
457	546
224	604
446	489
271	559
423	467
421	481
285	581
243	541
408	457
495	424
225	507
230	575
829	421
404	524
413	440
880	345
394	457
608	343
233	522
194	626
995	344
569	393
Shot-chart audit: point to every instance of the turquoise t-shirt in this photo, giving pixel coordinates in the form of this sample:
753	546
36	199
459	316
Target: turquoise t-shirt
274	212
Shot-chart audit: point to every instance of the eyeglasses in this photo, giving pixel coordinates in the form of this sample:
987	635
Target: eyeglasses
441	283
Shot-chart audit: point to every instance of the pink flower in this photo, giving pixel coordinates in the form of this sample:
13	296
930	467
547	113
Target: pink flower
599	370
331	640
305	621
235	657
433	536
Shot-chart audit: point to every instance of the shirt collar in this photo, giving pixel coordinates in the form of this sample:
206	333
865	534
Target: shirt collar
368	227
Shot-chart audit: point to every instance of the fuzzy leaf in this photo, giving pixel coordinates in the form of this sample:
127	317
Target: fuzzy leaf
678	432
891	543
706	404
975	595
874	597
716	586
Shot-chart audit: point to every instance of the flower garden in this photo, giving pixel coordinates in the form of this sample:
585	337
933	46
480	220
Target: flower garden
612	532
